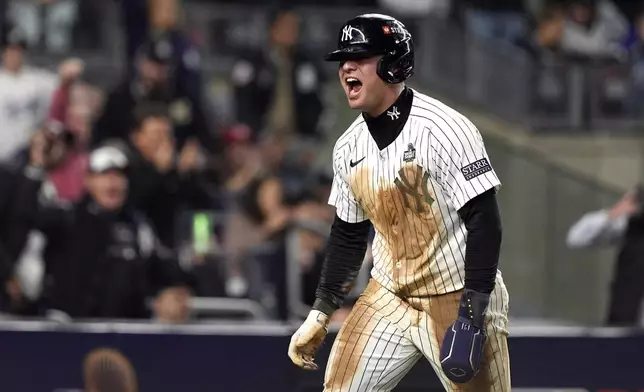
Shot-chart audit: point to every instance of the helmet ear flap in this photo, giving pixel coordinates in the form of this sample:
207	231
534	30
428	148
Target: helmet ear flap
395	68
384	71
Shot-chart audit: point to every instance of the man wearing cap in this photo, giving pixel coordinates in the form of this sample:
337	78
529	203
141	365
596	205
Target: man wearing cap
102	259
277	90
154	84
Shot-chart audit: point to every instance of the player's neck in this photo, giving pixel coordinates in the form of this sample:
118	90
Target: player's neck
389	99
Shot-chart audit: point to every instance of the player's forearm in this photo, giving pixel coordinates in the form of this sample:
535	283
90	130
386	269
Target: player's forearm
344	255
483	223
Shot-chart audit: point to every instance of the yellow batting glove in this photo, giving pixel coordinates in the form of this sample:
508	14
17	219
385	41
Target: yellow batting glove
307	339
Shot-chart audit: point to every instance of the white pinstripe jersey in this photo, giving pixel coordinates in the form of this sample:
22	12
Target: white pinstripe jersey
411	192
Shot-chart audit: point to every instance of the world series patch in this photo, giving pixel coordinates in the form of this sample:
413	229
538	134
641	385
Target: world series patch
410	154
475	169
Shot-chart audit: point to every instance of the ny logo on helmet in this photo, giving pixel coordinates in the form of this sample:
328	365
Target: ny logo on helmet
348	33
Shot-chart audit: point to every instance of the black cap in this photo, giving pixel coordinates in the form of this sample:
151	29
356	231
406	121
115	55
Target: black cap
158	49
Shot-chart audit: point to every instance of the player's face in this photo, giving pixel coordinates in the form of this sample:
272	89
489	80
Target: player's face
361	83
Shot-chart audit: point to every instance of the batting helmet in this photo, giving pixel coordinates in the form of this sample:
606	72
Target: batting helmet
370	35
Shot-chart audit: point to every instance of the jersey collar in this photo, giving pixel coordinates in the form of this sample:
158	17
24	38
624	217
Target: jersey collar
385	128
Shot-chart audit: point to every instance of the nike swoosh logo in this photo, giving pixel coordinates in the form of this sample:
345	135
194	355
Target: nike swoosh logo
354	164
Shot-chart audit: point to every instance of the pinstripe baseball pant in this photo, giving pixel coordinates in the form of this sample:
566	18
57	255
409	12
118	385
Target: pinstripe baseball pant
384	337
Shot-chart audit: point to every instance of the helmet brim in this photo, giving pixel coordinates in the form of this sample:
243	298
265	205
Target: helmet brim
351	53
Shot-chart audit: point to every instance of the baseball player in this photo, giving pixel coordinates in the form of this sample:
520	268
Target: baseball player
417	171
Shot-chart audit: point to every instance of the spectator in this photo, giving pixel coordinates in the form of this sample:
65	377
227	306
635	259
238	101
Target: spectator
548	34
66	177
242	161
102	259
154	85
13	237
106	369
161	19
622	224
63	184
67	118
593	30
66	133
277	91
164	21
25	94
160	185
258	218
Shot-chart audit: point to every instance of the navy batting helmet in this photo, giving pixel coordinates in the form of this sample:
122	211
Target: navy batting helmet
370	35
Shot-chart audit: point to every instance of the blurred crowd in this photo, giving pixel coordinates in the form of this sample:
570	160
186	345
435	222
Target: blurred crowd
131	201
601	39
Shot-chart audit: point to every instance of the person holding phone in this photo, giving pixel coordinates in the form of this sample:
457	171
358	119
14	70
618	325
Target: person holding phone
622	224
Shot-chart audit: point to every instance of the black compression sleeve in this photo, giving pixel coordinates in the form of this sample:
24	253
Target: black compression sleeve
483	224
344	255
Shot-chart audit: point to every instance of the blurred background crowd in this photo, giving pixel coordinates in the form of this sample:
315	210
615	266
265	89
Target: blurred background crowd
169	159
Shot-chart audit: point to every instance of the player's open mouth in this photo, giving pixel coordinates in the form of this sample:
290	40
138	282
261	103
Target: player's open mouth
354	86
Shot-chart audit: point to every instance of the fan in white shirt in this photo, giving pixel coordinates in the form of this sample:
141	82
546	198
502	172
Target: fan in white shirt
25	95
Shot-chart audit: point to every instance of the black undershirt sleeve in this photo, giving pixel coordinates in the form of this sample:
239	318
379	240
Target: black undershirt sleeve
484	232
345	252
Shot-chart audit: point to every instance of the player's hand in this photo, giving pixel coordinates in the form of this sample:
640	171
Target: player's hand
307	339
462	347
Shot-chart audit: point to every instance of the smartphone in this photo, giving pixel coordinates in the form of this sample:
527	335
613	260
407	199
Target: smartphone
202	233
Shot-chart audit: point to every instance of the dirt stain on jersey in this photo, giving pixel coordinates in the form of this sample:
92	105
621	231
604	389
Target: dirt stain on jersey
406	216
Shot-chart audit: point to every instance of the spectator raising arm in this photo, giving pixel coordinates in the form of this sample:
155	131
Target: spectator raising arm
603	227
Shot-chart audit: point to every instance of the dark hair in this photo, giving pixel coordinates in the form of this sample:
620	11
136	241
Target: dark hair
148	110
278	10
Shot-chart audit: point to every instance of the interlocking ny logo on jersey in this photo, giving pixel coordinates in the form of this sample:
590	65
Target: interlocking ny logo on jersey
394	113
418	191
